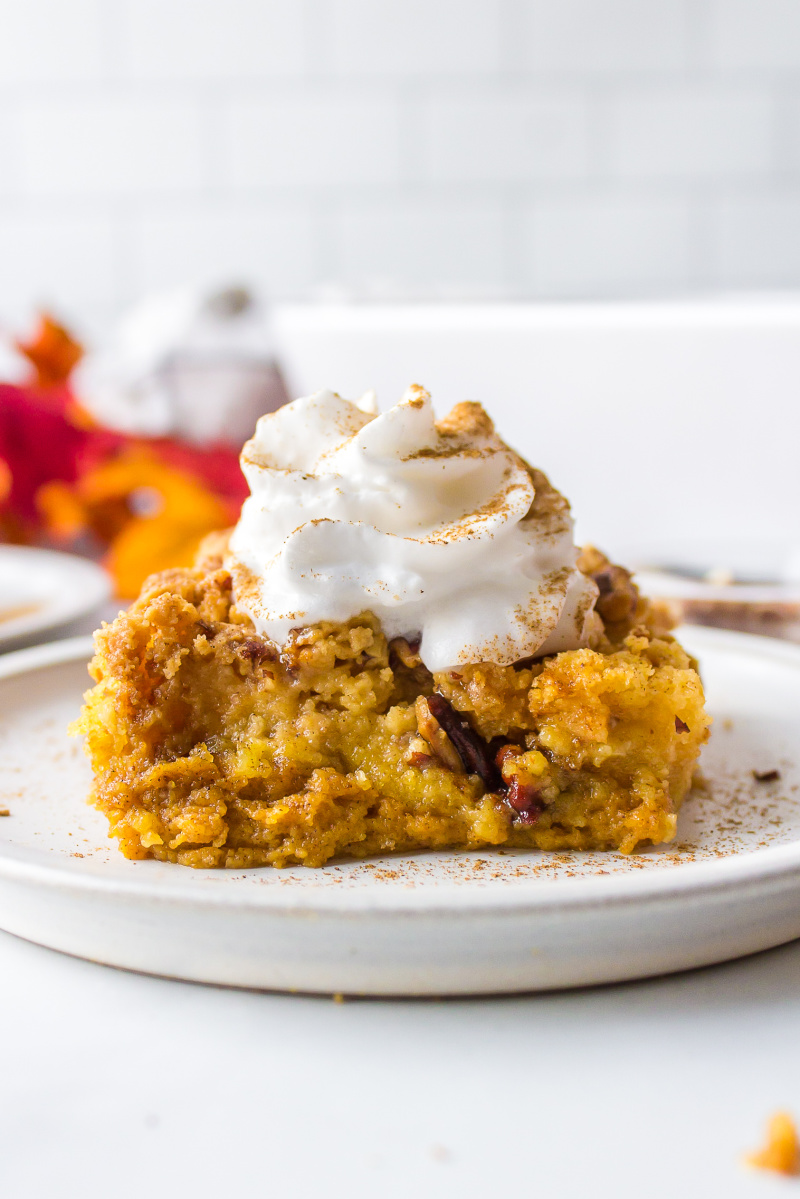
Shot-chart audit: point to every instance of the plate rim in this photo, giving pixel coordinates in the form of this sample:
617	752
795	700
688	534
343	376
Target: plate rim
97	590
776	866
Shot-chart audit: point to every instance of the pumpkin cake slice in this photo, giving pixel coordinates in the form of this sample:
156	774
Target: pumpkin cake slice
397	648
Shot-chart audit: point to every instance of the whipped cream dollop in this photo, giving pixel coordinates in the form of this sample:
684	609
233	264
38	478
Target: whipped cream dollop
439	529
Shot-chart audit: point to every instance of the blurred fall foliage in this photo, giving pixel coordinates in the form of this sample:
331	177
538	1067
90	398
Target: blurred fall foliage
139	504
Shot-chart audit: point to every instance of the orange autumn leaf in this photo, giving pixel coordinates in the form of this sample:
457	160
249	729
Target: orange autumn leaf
153	515
52	352
143	548
64	513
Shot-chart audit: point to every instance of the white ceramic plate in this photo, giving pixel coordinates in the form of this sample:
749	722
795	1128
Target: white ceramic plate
42	589
431	924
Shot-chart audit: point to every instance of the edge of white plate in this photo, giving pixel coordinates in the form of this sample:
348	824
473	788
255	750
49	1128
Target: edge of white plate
97	589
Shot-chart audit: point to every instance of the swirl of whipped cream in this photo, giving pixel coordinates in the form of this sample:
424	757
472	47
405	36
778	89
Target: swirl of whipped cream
439	529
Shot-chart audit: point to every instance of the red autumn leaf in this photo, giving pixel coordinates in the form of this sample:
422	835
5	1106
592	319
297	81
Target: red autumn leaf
52	352
37	443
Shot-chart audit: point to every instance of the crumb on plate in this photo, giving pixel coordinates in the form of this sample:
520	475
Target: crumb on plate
781	1152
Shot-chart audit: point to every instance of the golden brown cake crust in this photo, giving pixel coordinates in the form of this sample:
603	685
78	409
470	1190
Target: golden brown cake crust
212	747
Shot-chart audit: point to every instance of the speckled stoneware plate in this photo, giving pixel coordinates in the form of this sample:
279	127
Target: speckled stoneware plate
425	925
41	590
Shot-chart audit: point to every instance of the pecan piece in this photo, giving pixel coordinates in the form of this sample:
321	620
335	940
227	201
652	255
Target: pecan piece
681	726
406	651
505	753
523	797
419	753
405	654
254	649
525	800
470	746
619	595
436	737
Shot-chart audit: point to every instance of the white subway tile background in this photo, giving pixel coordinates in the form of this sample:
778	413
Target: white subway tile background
397	148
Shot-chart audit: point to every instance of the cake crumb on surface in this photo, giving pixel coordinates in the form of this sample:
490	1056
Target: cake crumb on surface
4	812
781	1152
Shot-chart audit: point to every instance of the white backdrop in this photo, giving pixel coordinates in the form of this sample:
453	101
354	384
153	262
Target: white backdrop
671	427
396	148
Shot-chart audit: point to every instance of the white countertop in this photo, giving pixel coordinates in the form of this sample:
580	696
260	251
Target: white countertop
115	1085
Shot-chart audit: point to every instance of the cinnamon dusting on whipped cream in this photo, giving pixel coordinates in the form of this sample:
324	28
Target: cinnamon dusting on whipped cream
439	528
